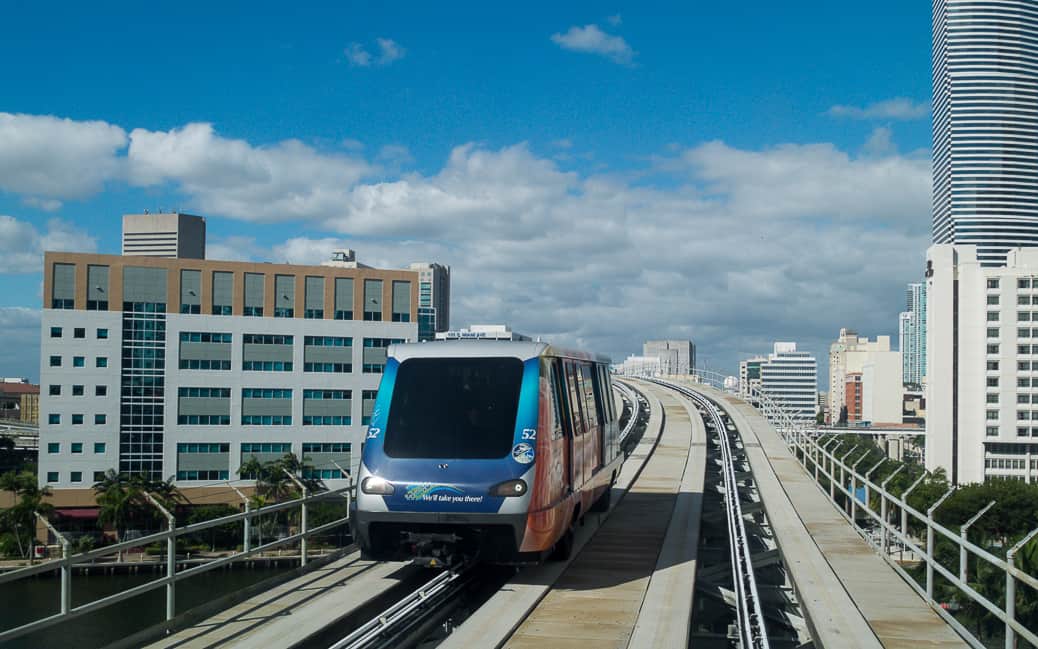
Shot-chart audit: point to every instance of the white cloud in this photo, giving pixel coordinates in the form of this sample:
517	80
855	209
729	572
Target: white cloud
388	51
47	157
592	40
22	244
284	181
897	108
357	55
880	142
615	20
21	327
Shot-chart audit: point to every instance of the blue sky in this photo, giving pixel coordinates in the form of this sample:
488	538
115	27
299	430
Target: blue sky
719	170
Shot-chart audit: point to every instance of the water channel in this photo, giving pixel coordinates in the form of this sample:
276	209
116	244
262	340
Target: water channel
30	599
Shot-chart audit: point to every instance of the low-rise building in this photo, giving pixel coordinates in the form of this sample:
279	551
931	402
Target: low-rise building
482	332
676	356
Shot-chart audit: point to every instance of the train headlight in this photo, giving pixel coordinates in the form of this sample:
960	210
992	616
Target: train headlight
509	488
376	486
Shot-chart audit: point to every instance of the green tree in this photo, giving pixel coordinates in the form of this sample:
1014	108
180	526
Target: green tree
20	519
122	501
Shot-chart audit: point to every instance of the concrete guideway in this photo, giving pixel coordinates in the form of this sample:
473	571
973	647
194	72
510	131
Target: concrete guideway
495	621
849	595
632	584
289	613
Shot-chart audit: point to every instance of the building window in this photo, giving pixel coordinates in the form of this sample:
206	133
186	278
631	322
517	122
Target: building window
76	476
99	476
267	366
266	339
253	311
77	390
284	312
992	381
331	368
77	420
77	447
53	418
1023	283
1023	332
993	300
102	334
992	398
203	364
53	447
100	419
78	361
992	316
368	404
55	361
191	309
79	332
204	420
993	333
102	361
1020	299
55	332
54	390
97	305
100	447
992	283
314	314
992	349
992	431
52	476
100	390
1022	366
344	314
326	420
62	304
992	415
373	300
327	341
1024	316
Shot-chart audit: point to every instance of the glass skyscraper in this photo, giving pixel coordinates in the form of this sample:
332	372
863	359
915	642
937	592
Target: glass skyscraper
985	125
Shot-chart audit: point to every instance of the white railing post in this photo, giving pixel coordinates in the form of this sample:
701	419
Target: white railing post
832	470
66	565
930	542
868	483
963	567
171	557
302	516
904	501
247	525
854	486
883	496
1011	589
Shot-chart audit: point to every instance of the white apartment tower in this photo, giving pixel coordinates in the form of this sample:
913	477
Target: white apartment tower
849	354
790	378
171	234
912	334
982	376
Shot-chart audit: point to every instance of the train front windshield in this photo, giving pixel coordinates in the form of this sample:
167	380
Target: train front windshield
461	408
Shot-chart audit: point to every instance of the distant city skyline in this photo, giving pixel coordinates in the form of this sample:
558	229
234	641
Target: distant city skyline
591	191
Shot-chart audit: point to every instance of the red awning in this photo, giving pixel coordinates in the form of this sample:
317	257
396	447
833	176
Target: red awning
78	512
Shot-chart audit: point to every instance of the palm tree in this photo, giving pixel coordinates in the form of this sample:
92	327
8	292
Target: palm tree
22	515
122	501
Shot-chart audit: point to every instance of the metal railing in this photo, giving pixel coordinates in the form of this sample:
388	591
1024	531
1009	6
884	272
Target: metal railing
68	560
636	404
821	461
748	610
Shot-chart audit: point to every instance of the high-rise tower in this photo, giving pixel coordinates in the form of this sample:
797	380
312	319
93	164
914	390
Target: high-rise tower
985	126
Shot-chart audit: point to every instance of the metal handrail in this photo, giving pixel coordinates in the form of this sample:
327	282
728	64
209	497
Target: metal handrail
172	577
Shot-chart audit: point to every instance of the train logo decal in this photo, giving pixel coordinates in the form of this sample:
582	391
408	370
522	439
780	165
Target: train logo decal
522	453
427	492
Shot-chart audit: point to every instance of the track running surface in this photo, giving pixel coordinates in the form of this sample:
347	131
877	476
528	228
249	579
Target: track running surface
599	598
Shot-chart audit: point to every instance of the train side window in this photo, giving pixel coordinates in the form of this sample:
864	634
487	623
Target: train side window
600	405
591	412
607	389
558	396
574	397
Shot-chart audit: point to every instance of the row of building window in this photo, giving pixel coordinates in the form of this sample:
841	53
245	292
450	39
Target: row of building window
327	420
266	393
79	332
193	447
327	341
204	337
332	368
205	393
278	366
1008	463
327	394
75	447
203	475
54	390
267	366
1021	332
266	420
204	364
266	339
204	420
74	476
80	361
55	418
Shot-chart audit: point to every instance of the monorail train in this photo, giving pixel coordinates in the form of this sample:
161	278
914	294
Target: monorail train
485	450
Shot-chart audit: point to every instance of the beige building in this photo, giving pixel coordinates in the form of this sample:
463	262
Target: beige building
849	354
169	234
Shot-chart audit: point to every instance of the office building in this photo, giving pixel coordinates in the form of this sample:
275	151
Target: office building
823	404
676	356
19	401
169	234
850	353
790	378
434	299
852	397
882	389
912	335
749	376
482	332
985	127
982	378
188	367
